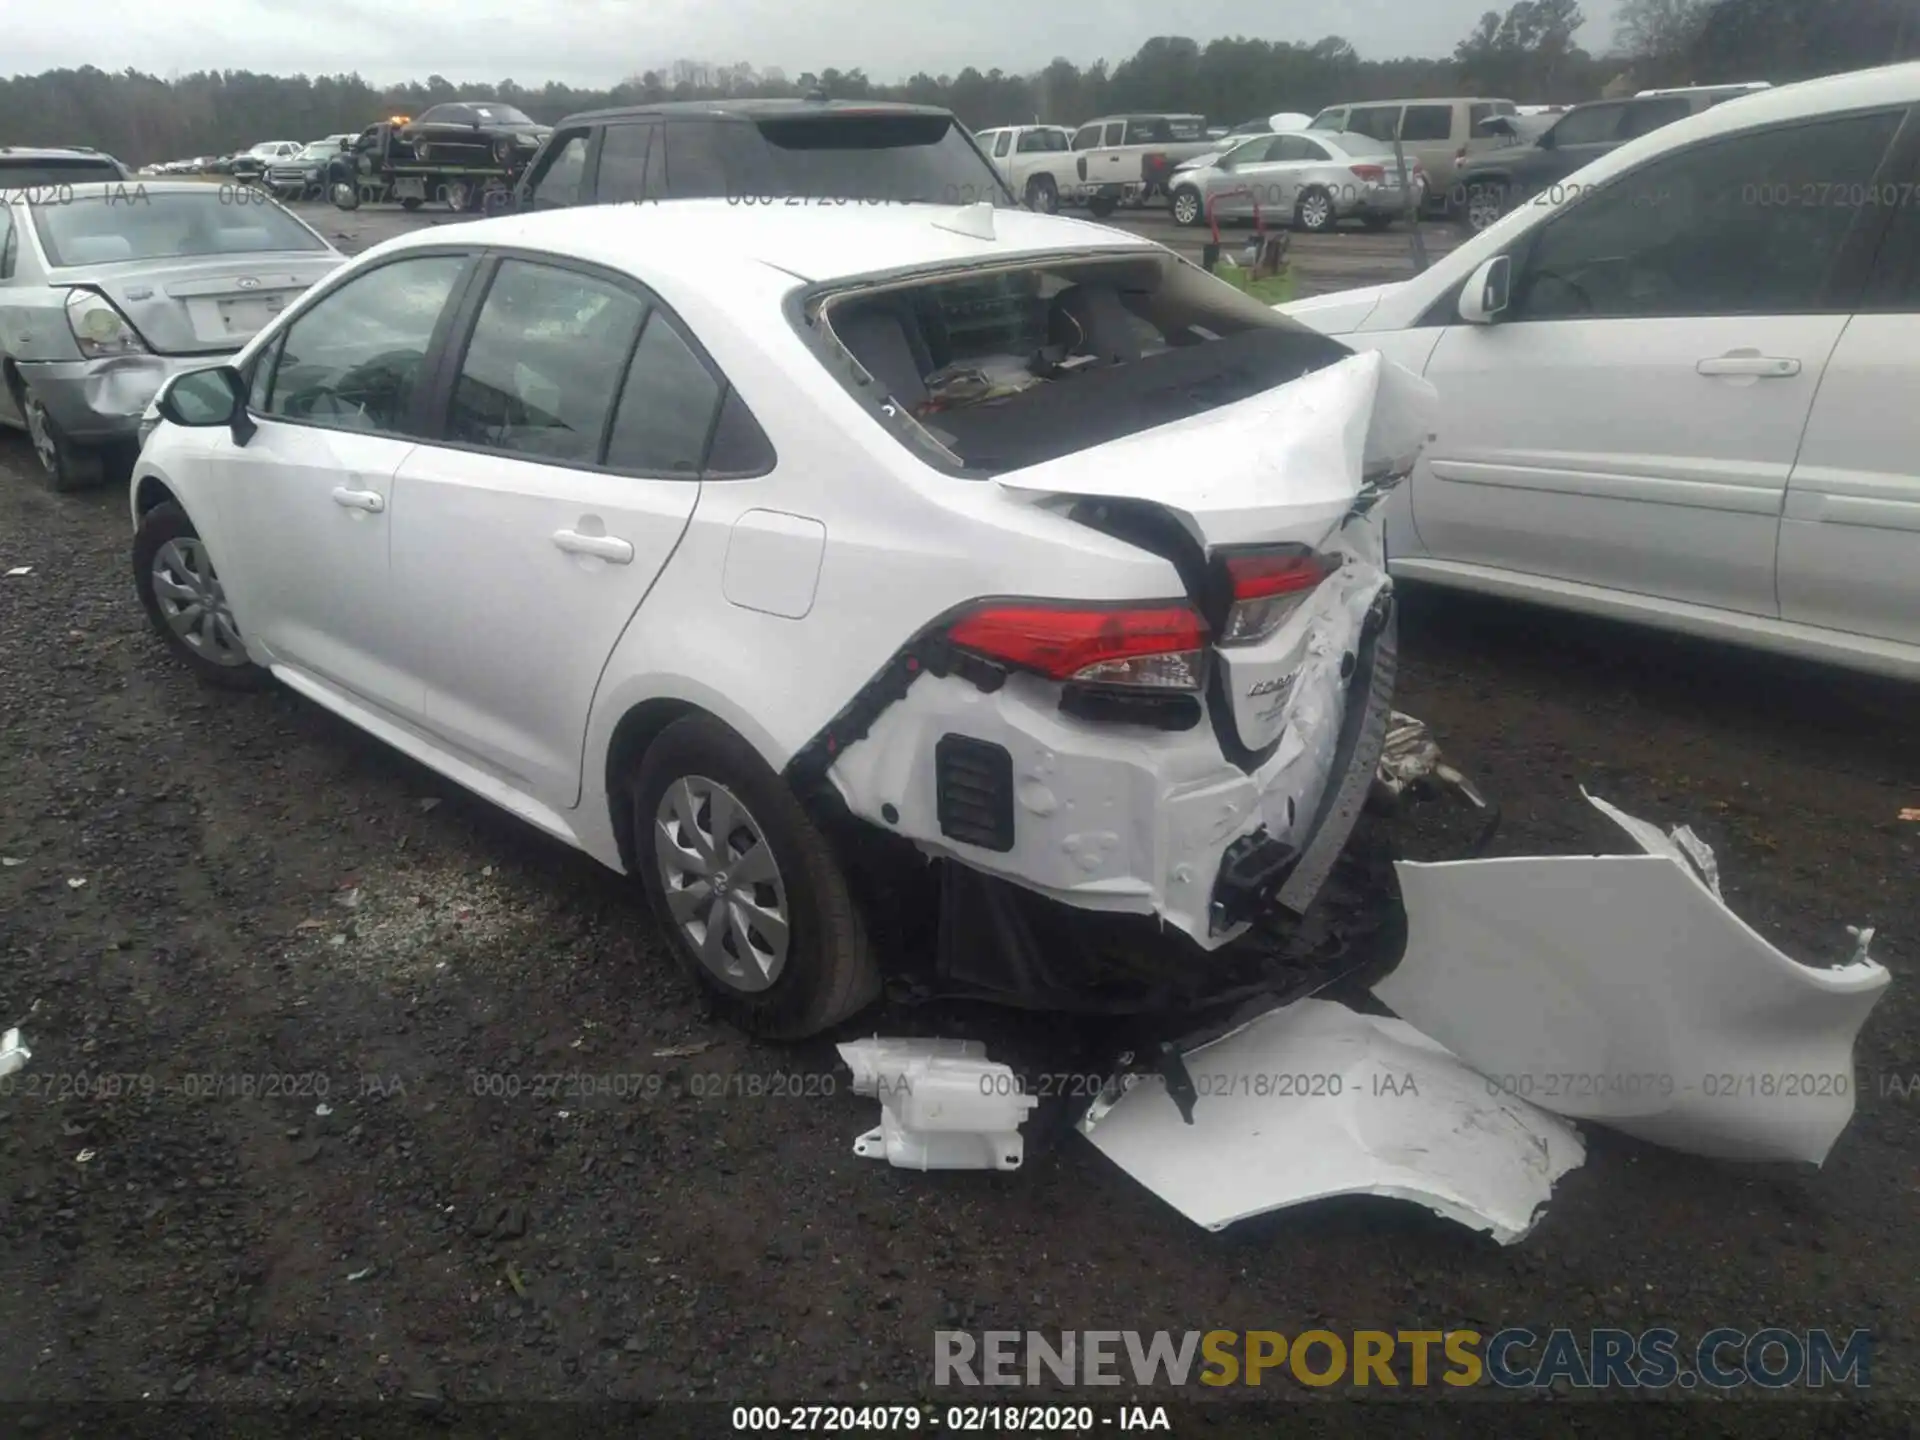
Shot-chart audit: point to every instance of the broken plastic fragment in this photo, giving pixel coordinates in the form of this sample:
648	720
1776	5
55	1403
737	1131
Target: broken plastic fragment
1411	755
13	1052
1680	843
1314	1100
1862	943
76	882
943	1104
19	570
1621	989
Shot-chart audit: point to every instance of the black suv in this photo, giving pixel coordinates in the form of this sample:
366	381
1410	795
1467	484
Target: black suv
1489	183
762	152
23	167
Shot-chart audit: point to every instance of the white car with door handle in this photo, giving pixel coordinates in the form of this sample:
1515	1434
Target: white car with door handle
1679	389
682	532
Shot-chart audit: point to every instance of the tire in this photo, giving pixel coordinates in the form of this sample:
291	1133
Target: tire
1043	195
165	539
1483	205
825	972
344	192
1102	206
1188	208
66	465
411	203
1314	212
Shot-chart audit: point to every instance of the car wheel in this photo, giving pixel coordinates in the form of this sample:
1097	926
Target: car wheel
1042	195
1187	206
1486	203
345	194
1102	206
66	465
411	202
1314	213
175	577
756	902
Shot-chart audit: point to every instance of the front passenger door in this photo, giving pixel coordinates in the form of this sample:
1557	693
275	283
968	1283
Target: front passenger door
530	530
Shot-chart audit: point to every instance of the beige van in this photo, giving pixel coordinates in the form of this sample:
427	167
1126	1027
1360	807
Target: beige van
1433	131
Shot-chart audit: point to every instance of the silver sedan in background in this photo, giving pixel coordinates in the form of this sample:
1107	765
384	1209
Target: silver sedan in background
107	289
1311	179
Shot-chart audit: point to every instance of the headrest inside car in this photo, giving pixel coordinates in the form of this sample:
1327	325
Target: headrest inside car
1092	320
877	338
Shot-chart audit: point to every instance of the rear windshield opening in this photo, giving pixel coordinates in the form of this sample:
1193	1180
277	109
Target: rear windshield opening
37	174
136	224
1004	370
892	159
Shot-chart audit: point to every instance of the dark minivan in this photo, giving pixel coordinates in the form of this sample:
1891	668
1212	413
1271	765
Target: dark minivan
758	152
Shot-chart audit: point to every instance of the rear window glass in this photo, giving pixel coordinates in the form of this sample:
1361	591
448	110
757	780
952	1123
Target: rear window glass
132	223
874	158
1004	371
37	174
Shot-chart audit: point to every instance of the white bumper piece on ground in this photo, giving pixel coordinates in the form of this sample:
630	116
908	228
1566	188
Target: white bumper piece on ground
1314	1101
943	1104
1621	989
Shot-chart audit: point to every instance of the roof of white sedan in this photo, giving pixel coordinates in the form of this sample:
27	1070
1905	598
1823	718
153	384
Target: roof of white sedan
811	242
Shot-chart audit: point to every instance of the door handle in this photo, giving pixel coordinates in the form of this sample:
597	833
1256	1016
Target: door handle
1764	367
372	501
607	547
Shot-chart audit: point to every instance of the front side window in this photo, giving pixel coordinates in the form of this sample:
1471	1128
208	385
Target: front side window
1377	121
1427	122
667	407
1116	133
354	361
545	359
559	184
1650	115
1749	225
1591	125
1334	119
143	225
1041	142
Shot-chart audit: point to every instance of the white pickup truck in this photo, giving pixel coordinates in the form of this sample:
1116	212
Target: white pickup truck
1036	161
1132	157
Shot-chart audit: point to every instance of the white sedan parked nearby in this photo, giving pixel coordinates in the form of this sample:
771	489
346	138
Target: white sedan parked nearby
686	533
1680	388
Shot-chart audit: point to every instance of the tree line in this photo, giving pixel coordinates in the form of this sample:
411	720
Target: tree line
1529	53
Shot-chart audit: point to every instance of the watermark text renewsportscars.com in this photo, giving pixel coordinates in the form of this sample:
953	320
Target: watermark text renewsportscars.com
1515	1358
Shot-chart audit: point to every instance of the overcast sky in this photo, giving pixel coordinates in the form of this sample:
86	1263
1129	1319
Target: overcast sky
599	42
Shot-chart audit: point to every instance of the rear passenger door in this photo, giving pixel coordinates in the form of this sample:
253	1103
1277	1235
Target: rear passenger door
573	422
1850	535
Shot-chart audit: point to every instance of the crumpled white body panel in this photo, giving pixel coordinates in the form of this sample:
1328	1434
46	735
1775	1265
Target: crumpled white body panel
1370	1107
1621	989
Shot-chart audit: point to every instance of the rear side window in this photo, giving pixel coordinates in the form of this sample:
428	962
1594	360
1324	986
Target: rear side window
666	407
1595	125
1427	122
623	163
1297	147
1649	115
541	370
1477	113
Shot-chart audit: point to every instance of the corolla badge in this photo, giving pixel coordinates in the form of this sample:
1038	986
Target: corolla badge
1269	687
247	282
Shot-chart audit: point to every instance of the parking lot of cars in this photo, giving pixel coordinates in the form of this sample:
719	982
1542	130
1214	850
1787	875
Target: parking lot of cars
358	1086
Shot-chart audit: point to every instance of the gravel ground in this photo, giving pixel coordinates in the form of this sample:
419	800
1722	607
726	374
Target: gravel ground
211	885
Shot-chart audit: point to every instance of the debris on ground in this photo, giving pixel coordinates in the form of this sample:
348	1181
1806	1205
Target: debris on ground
684	1052
943	1104
13	1052
1411	755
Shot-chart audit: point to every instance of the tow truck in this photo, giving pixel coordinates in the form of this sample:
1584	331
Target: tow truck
380	165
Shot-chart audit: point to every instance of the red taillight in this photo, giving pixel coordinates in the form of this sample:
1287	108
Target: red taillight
1267	586
1372	174
1159	647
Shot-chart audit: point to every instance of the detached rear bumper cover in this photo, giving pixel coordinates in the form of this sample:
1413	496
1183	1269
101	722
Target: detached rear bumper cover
1621	989
1314	1101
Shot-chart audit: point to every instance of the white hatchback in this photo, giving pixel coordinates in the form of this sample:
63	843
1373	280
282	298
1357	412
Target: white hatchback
1679	388
705	537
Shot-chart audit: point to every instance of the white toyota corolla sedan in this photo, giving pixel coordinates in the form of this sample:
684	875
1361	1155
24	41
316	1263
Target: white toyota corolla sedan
705	537
1679	388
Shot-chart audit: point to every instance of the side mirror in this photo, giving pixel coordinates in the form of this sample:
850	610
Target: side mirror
1486	294
202	399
